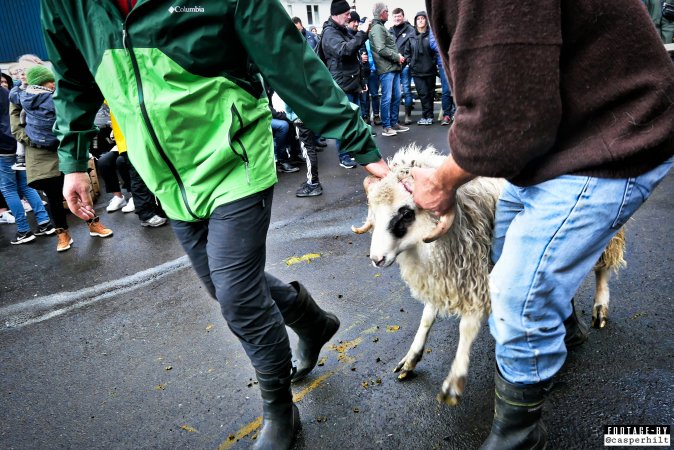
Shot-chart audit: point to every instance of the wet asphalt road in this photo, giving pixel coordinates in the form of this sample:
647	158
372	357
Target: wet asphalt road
114	344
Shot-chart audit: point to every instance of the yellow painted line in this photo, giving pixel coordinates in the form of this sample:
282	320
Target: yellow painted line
242	433
304	258
257	423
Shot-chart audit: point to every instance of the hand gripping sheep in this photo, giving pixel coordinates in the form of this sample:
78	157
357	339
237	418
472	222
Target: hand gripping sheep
446	262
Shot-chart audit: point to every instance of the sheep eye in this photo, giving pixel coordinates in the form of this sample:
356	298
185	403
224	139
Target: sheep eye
401	221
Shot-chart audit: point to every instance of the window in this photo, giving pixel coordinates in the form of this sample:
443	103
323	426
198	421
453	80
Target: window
312	15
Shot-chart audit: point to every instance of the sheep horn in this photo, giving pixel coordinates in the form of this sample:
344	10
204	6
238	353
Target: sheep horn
367	226
368	181
441	228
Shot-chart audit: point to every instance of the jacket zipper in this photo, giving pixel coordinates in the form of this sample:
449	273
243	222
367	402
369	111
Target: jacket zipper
146	119
243	155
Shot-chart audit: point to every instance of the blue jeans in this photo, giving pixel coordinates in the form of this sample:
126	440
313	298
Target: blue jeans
355	99
547	238
406	81
371	97
390	98
448	107
280	129
13	186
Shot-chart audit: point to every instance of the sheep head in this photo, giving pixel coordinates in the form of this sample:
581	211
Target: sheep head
398	224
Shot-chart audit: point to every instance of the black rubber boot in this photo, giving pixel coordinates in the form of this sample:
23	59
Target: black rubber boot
314	327
517	416
408	115
576	330
280	416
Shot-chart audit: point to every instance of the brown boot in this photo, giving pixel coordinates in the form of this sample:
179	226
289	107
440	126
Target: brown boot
64	240
96	228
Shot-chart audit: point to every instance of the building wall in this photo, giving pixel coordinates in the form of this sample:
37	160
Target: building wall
298	8
21	30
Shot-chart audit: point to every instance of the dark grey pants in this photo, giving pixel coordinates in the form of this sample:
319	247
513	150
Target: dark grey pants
228	253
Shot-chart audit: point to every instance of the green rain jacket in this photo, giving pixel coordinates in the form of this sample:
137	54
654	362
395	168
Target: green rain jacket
184	82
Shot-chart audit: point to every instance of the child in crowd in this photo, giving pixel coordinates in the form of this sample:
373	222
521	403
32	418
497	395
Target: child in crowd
41	145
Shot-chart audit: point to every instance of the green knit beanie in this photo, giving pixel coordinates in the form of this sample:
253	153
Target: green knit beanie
39	75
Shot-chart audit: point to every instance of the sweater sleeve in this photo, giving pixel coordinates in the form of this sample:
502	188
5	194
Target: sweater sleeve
300	78
505	76
77	97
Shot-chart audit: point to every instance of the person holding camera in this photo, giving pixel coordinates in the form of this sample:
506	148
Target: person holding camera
342	57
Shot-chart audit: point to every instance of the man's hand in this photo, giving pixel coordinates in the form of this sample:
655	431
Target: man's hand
401	59
76	189
365	26
435	189
379	169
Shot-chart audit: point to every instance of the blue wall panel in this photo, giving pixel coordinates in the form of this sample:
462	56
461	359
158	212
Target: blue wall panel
20	30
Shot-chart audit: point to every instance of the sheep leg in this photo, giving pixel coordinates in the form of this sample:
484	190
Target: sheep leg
601	298
612	259
409	362
454	384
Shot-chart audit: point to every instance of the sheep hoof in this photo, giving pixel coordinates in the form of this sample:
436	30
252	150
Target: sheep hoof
448	399
405	374
599	316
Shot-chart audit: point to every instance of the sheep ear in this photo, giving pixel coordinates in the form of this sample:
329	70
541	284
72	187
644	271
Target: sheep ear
443	226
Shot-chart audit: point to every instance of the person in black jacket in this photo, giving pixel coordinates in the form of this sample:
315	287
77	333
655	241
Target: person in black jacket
423	67
341	51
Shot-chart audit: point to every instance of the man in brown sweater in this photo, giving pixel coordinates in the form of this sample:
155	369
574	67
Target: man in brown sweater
572	103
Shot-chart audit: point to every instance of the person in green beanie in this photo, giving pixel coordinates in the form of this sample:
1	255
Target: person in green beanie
42	171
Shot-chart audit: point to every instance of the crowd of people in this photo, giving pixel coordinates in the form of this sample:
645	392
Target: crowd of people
29	161
581	152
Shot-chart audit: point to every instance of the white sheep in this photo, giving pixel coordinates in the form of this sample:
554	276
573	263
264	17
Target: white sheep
446	265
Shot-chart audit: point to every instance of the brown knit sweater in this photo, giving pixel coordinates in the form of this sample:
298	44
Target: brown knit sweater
545	88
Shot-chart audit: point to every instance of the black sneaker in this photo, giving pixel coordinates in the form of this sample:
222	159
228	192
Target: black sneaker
309	190
46	228
22	238
286	167
347	161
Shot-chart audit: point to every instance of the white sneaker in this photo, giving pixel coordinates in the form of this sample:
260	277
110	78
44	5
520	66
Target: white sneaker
116	204
26	205
7	217
154	221
130	207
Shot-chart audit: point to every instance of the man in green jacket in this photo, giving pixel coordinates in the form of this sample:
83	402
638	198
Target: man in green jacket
388	62
185	85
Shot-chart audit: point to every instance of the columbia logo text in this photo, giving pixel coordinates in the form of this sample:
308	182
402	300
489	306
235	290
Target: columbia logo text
186	9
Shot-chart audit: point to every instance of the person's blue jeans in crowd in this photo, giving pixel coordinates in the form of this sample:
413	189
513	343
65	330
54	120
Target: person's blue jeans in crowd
406	81
13	186
280	129
390	98
370	100
547	238
355	99
448	107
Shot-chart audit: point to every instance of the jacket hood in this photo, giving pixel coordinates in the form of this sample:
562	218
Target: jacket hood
332	24
35	96
421	14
